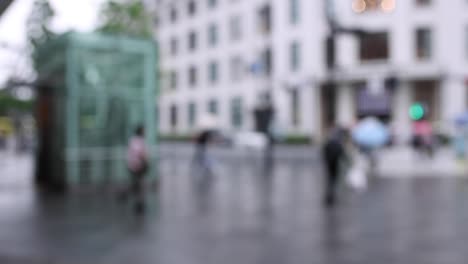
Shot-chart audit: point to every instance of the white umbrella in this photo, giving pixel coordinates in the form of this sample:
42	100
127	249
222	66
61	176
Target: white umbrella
208	122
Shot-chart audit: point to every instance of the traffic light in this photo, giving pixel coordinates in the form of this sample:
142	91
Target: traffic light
417	111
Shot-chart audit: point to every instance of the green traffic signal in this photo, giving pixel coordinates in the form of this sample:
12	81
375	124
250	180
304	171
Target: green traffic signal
416	112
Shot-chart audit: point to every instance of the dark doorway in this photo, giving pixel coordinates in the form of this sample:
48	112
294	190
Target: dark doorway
425	92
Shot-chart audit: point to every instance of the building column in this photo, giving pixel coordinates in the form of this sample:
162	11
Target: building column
402	99
280	99
345	105
318	112
312	111
453	99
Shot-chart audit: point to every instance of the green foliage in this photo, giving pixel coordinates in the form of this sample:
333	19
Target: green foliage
8	103
38	22
126	17
288	140
297	140
176	138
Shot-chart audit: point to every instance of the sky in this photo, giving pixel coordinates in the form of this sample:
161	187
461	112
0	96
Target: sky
79	15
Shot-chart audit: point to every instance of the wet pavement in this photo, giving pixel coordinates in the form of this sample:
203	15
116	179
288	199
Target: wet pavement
243	214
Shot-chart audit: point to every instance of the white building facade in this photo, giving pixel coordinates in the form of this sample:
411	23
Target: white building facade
219	56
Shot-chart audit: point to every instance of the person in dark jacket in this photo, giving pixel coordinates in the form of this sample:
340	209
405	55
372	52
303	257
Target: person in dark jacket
264	115
334	153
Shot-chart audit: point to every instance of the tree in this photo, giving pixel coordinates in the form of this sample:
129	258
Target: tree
38	27
9	103
38	23
126	17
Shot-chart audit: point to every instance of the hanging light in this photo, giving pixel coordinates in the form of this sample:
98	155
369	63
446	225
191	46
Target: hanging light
359	6
388	5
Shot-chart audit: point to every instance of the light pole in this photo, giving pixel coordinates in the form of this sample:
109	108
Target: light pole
335	29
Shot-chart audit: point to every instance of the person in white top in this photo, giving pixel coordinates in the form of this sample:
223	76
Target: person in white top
137	163
136	153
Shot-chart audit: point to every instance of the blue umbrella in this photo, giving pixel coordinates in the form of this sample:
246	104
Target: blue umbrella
462	120
371	133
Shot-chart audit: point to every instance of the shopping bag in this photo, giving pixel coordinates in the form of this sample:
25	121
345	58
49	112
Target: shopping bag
357	175
357	179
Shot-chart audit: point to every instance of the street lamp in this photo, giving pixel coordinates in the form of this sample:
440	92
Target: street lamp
336	29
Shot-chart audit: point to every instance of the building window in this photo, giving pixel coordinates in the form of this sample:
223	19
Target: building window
173	116
236	112
213	107
236	68
192	41
212	3
374	46
213	72
192	114
267	61
423	43
157	21
173	14
264	64
192	8
174	46
295	56
235	28
173	80
264	20
192	76
295	108
212	35
294	11
422	3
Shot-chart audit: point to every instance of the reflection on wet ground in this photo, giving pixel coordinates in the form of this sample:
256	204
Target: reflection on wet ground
243	214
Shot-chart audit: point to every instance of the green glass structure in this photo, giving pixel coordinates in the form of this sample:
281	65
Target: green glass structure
94	90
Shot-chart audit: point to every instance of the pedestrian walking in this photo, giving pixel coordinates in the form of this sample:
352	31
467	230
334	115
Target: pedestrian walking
137	162
207	133
3	140
423	137
334	157
264	114
202	140
461	136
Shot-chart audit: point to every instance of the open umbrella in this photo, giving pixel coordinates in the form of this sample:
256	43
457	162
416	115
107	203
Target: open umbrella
208	122
462	120
371	133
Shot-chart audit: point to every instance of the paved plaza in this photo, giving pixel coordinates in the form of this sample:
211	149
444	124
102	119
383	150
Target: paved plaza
242	214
